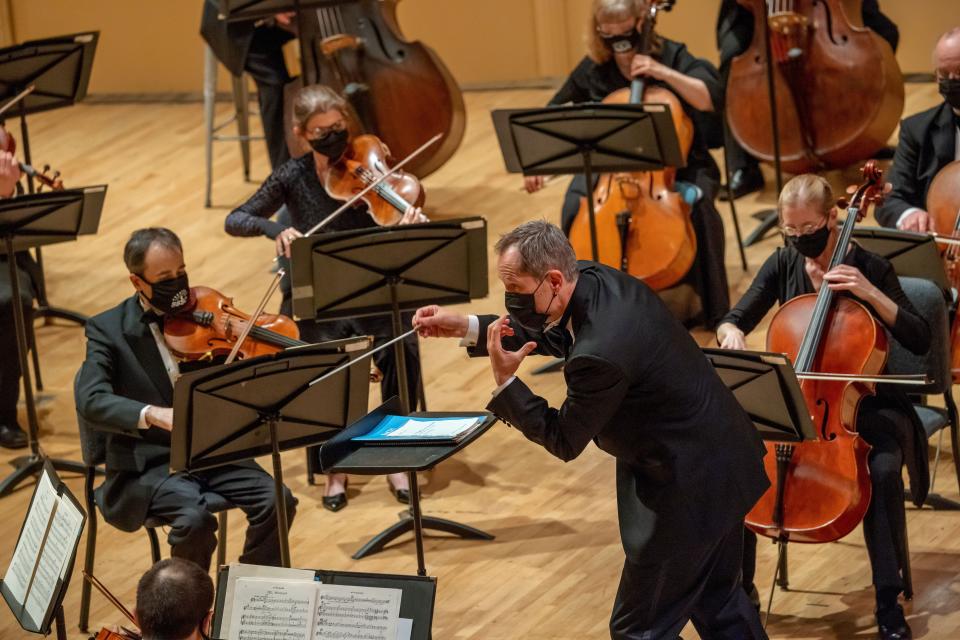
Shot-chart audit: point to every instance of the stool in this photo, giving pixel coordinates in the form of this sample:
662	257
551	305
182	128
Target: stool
241	115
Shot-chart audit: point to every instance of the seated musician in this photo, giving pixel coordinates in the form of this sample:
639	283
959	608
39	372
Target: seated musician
11	435
612	64
174	601
125	387
929	140
320	119
887	421
734	35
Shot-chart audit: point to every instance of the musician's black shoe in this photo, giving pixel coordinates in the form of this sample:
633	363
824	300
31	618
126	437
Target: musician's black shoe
402	495
892	624
12	436
335	502
743	181
885	153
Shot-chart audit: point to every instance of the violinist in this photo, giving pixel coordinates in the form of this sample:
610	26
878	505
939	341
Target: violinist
734	35
929	140
12	435
174	601
320	119
611	64
125	388
887	420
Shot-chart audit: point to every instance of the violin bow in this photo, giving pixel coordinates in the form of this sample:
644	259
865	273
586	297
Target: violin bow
17	98
110	597
330	218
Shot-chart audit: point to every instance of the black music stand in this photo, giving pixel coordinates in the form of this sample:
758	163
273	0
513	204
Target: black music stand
235	412
382	270
767	388
913	255
32	221
585	139
341	454
59	70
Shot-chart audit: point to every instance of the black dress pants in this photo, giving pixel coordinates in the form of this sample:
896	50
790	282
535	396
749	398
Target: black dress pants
266	66
10	362
179	502
656	599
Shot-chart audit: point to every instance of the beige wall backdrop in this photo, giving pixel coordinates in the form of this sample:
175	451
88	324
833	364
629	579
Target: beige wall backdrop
154	47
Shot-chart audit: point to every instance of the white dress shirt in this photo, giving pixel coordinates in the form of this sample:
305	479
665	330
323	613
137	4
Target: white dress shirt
169	363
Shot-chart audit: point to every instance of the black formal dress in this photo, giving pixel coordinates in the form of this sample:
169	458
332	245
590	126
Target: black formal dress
592	82
244	46
123	372
887	420
689	462
734	35
295	185
928	142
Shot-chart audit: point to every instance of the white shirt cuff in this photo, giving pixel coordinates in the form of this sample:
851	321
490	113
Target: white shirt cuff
473	332
506	384
903	216
142	422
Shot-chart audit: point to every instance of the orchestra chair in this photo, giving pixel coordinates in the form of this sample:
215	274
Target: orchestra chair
93	446
241	115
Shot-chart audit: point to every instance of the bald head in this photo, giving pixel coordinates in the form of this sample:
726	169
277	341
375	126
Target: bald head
946	55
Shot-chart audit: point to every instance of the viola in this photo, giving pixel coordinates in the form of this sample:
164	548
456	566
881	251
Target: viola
109	634
366	160
838	88
9	144
213	324
820	489
642	224
400	89
943	205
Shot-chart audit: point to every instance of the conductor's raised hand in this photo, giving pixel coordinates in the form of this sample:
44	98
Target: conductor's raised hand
504	363
434	321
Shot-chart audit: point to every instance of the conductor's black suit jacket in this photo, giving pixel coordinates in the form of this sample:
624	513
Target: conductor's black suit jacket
123	372
689	462
927	143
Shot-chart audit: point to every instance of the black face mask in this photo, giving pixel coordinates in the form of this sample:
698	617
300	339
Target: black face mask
522	308
950	90
623	43
810	245
331	145
171	295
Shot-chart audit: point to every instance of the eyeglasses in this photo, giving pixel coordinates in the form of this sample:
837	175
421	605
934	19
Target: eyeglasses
612	36
802	230
321	132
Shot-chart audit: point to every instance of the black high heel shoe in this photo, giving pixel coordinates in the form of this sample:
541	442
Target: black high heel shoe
337	501
402	495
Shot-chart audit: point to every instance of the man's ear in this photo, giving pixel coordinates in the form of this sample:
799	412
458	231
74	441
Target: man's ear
555	278
207	623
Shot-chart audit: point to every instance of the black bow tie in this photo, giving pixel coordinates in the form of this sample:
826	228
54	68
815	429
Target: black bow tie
152	317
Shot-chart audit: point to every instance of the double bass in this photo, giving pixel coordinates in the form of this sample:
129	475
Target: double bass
399	89
642	224
943	205
820	489
819	50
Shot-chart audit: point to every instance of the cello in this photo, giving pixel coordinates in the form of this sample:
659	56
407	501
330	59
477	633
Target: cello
400	90
943	205
819	50
820	489
642	224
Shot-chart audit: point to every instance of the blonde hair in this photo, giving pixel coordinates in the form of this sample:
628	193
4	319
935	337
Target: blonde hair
314	99
610	11
807	189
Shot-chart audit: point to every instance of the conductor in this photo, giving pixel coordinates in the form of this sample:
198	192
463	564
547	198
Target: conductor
689	463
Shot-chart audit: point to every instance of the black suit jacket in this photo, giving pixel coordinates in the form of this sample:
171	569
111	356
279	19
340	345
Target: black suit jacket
230	41
927	142
689	462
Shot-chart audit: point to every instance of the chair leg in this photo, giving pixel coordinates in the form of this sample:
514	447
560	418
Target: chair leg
154	544
32	343
954	435
421	394
91	547
209	104
733	207
241	99
221	539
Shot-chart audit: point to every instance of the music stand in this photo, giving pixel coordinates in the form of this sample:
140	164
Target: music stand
59	70
913	255
32	221
767	388
235	412
382	270
603	138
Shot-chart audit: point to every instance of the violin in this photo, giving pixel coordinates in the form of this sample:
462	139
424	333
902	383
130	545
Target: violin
820	489
107	633
820	51
943	204
213	324
365	161
400	89
642	224
9	144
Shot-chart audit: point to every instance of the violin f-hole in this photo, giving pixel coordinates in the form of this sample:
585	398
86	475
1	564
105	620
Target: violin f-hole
823	422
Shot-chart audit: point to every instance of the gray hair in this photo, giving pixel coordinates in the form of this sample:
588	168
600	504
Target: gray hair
542	247
135	251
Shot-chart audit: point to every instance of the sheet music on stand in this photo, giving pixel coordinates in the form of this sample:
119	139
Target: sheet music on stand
36	579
